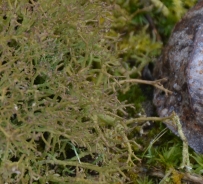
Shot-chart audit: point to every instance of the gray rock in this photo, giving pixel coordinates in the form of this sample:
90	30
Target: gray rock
182	64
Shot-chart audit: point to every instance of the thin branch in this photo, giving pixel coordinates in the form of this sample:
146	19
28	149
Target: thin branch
141	119
196	179
156	83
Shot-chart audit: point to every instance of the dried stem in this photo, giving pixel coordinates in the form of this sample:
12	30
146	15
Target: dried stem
156	83
186	176
141	119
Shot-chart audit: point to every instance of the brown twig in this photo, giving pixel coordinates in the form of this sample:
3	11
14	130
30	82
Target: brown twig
196	179
141	119
156	83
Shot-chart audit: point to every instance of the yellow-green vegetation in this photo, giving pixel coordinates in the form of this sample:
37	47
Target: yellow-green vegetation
144	27
68	110
60	117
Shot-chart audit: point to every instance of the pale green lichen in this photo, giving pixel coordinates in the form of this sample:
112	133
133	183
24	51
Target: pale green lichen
61	121
59	107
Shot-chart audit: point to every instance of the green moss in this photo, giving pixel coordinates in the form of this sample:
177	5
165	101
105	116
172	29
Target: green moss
133	95
144	28
63	111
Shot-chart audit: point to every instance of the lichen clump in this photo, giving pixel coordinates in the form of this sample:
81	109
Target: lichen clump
61	120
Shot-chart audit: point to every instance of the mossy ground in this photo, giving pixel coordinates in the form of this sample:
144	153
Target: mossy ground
63	112
145	32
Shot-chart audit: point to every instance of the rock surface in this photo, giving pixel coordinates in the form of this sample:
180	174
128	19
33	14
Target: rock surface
182	64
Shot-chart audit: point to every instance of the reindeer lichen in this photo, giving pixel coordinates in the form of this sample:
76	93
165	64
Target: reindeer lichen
59	107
